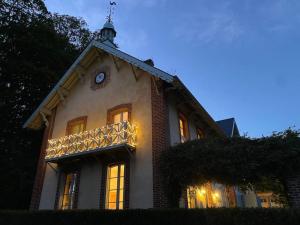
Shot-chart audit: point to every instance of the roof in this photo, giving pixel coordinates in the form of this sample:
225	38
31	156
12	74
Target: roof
229	127
76	71
108	25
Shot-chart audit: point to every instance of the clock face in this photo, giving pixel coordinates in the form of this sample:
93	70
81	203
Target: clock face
100	78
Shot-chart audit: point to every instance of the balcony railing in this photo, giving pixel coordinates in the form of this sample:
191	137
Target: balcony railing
107	136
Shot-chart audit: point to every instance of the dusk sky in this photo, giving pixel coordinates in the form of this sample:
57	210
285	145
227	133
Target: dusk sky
240	58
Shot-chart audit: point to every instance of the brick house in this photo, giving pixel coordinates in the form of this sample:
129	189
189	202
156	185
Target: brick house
107	121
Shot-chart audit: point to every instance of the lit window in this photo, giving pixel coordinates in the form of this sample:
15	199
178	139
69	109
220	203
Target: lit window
76	126
120	117
209	196
269	200
200	134
183	128
115	187
69	191
118	114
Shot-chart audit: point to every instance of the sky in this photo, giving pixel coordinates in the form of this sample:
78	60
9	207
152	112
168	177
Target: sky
240	58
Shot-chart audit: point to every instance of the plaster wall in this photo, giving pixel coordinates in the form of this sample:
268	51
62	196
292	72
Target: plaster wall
49	188
250	199
174	122
90	185
122	88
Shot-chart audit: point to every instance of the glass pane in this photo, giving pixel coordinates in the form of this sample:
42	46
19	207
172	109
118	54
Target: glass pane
117	118
181	124
112	205
121	205
113	171
113	183
76	128
121	195
121	182
122	167
112	197
125	116
69	190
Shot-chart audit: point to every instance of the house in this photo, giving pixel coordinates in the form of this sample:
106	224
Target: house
107	121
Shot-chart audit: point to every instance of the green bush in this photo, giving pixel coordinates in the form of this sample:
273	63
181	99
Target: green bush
261	164
220	216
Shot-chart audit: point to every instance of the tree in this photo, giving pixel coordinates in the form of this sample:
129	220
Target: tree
35	50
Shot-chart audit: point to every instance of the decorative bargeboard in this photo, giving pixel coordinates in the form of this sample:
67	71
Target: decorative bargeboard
107	136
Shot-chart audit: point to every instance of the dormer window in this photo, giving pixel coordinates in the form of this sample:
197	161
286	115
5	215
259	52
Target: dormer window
183	128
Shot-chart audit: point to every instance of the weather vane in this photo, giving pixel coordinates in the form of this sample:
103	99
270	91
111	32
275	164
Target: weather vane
111	10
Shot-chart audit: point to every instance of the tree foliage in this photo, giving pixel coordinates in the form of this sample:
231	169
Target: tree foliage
262	164
36	48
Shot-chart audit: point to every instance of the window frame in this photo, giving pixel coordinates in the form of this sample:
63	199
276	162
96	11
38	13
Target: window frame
77	120
118	109
62	185
186	135
200	134
107	178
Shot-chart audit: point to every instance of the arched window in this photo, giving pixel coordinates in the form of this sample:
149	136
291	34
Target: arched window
76	125
200	134
119	114
183	128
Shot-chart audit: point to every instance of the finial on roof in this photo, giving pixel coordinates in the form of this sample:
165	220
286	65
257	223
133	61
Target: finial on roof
108	32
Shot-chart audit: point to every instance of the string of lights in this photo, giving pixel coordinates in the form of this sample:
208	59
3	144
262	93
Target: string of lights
109	135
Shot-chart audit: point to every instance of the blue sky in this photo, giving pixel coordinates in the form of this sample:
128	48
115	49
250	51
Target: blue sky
240	58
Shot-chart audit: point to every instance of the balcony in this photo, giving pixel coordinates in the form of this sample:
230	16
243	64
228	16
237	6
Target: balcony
93	141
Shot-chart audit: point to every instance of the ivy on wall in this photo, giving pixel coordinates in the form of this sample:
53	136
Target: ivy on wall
261	164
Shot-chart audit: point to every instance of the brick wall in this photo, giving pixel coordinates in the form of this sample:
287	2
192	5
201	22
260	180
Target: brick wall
293	189
160	140
41	167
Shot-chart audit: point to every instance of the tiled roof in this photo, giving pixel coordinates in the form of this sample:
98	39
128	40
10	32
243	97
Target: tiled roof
229	127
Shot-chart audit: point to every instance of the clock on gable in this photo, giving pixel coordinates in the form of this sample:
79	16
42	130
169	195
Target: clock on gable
100	77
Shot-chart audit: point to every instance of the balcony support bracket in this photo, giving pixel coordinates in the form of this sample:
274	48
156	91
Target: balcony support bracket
134	72
129	151
44	119
116	63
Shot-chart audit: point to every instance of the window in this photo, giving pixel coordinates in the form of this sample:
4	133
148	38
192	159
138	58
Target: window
210	195
200	134
119	114
120	117
183	128
115	187
76	126
68	195
268	200
197	198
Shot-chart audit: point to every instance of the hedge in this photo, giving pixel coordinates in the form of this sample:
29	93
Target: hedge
219	216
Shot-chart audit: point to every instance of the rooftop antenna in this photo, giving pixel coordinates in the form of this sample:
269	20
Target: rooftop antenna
111	10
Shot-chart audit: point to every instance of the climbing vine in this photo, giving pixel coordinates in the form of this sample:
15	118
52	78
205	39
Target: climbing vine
261	164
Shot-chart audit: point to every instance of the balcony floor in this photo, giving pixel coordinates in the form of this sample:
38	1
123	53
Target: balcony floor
105	150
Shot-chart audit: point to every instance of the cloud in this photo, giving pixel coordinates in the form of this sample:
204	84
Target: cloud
132	41
209	25
141	3
279	16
